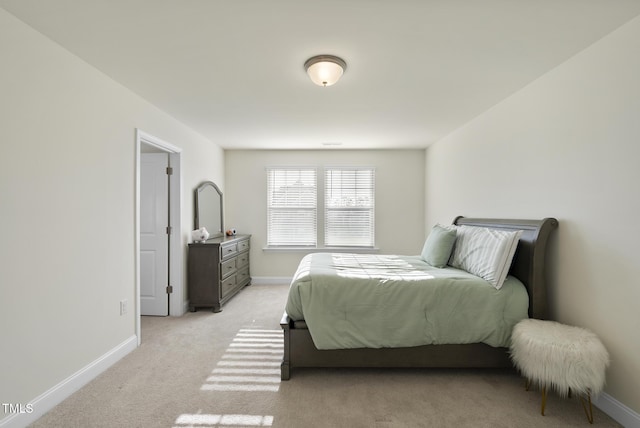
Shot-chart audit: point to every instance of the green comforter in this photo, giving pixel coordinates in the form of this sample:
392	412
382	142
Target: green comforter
378	301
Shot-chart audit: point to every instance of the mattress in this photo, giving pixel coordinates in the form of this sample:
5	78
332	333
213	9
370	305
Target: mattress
376	301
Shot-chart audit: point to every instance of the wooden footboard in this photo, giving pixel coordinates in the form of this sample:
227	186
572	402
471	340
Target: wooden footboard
299	351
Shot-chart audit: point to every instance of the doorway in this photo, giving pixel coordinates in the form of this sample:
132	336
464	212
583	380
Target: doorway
147	144
155	227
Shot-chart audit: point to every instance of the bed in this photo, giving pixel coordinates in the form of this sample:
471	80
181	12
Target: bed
527	270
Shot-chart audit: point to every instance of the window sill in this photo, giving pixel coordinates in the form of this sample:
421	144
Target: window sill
284	249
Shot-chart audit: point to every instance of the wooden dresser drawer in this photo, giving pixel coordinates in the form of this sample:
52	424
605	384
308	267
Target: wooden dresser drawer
242	260
243	245
228	250
227	268
227	285
243	275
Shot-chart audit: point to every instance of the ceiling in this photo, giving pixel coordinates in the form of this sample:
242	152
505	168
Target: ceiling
233	70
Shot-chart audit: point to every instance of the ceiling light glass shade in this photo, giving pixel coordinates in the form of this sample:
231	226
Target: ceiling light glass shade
325	70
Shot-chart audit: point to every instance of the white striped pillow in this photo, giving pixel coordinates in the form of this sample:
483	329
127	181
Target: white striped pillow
485	252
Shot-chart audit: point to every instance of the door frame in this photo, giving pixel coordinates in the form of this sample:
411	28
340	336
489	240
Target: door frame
176	247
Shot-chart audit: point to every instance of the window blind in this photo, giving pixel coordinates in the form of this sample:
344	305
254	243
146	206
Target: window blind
349	207
291	206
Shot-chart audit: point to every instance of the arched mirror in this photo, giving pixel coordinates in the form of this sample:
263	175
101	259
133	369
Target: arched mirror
208	209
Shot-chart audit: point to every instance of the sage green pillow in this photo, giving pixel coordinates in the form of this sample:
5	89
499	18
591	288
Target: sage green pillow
438	246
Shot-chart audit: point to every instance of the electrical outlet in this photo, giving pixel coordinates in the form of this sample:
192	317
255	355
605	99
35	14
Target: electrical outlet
123	307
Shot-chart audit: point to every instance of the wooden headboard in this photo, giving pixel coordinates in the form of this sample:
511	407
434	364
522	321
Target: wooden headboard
529	261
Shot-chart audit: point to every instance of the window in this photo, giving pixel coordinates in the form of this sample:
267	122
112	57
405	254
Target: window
292	201
291	206
349	207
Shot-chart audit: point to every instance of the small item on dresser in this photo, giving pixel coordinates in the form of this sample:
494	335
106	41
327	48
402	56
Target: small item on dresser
200	235
231	232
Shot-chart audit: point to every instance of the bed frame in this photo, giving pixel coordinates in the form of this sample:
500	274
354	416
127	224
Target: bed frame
528	266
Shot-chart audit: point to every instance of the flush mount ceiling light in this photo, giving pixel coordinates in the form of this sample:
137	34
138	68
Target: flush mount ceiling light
325	70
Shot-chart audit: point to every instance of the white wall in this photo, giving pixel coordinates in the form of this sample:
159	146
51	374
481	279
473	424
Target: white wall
566	146
399	199
67	136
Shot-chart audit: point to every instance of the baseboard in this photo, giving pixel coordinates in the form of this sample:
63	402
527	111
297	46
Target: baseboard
57	394
270	280
618	411
185	307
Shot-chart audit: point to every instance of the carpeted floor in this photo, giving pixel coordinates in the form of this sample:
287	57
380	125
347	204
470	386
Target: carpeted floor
222	370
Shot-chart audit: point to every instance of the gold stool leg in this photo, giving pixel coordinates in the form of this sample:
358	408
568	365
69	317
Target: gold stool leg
588	412
544	399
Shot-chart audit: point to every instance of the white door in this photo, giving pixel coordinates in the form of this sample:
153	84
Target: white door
154	237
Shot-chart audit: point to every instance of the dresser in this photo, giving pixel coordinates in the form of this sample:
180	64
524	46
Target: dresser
217	270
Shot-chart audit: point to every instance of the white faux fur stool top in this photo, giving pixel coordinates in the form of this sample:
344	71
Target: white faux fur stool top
560	356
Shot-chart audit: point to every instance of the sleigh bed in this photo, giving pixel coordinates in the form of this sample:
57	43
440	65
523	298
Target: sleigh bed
527	272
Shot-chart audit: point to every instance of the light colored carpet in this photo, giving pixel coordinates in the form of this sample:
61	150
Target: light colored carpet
222	370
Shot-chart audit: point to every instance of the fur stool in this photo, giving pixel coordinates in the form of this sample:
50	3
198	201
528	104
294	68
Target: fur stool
567	359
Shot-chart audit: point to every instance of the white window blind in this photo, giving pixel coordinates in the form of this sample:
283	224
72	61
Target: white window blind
349	207
291	206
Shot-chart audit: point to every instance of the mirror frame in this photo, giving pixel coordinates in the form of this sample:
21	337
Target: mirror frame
196	212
